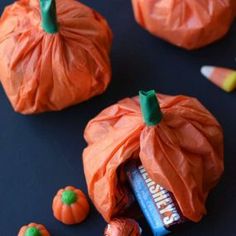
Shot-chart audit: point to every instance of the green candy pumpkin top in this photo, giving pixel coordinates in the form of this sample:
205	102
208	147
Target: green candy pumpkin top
32	231
69	197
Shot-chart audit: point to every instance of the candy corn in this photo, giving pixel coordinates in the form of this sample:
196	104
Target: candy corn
221	77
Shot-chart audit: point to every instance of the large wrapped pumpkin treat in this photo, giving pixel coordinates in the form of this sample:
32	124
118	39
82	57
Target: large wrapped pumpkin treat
189	24
177	146
53	54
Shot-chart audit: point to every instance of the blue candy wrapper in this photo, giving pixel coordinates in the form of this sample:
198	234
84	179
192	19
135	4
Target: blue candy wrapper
157	204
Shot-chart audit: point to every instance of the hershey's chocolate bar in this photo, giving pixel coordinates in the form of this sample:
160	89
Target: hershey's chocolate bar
158	205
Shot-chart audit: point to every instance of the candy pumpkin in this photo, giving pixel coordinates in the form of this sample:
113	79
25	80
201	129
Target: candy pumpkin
53	54
33	229
122	227
70	206
177	140
186	23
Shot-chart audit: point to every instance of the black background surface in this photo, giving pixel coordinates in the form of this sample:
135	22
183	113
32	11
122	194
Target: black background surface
39	154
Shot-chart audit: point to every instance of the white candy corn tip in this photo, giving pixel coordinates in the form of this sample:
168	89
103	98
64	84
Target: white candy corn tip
207	71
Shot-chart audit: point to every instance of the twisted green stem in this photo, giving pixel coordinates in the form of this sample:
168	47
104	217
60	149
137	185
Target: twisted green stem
150	108
49	16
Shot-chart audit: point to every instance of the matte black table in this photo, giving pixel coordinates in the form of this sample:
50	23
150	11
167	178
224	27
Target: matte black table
39	154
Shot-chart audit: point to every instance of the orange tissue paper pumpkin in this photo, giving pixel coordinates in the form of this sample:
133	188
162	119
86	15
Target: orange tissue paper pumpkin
70	206
53	54
33	229
189	24
176	139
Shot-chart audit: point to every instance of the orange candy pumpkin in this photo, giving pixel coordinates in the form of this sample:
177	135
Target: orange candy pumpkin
122	227
53	54
70	206
186	23
33	229
177	140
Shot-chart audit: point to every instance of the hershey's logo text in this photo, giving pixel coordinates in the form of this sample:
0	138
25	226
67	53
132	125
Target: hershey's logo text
162	199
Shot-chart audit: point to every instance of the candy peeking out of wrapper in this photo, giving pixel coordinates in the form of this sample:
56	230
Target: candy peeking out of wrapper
222	77
33	229
157	204
123	227
53	54
70	206
188	24
175	138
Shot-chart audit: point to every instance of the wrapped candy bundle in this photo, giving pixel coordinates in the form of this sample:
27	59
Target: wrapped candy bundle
122	227
53	54
177	141
189	24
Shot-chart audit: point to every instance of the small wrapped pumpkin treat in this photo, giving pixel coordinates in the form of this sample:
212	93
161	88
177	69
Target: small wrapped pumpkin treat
189	24
53	54
70	206
122	227
33	229
174	138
